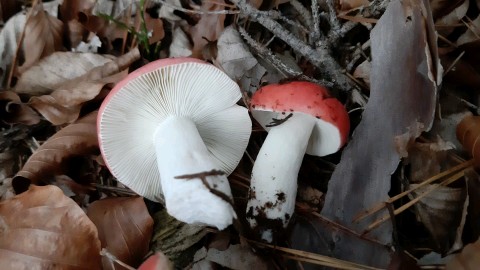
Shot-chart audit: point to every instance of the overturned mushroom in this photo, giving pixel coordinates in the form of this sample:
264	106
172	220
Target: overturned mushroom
173	127
301	117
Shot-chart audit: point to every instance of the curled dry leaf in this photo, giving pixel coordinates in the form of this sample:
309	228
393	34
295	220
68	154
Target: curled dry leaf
13	110
43	36
53	71
63	105
44	229
468	133
468	259
440	211
124	228
49	159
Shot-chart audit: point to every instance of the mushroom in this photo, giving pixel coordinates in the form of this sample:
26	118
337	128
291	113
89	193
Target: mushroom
300	117
171	131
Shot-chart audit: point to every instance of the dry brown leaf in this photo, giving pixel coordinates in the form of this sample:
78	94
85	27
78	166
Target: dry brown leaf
441	212
428	159
13	110
43	36
468	259
209	27
124	228
237	257
49	159
53	71
63	105
468	133
44	229
155	26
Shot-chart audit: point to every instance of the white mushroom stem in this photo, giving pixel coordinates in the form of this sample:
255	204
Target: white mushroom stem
274	176
195	190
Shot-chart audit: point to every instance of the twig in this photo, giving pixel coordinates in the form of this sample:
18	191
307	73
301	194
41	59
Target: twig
315	36
453	63
278	16
320	58
434	178
201	12
276	62
110	256
404	207
334	23
306	17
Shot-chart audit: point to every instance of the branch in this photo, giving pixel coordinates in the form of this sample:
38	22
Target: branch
320	58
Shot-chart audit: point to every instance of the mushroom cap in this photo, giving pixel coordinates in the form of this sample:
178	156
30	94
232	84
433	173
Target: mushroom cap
276	101
137	105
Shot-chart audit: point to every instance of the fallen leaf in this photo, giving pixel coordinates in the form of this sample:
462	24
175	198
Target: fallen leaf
64	104
69	9
454	16
13	110
43	36
441	8
404	78
468	132
52	71
9	37
180	46
471	34
49	159
208	27
124	228
353	4
233	55
440	212
44	229
176	239
363	72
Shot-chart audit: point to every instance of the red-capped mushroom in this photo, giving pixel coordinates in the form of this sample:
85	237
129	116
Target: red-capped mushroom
301	117
172	129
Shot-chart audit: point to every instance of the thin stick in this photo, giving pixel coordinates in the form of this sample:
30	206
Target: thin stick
453	63
381	205
316	257
316	22
323	263
444	39
404	207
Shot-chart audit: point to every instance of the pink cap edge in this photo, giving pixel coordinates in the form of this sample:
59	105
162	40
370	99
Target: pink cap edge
145	69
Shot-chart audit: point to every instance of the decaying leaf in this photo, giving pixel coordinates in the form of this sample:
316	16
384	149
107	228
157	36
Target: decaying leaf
468	132
233	55
43	36
363	72
468	259
180	46
236	257
208	28
13	110
428	159
44	229
403	94
471	34
454	16
124	228
53	71
440	212
63	105
49	159
9	36
176	239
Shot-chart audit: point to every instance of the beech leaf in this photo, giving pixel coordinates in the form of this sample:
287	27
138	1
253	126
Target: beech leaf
43	36
468	132
47	161
13	110
63	105
52	71
124	228
44	229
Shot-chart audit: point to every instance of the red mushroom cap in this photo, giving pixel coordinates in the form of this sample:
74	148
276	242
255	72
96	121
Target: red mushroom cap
303	97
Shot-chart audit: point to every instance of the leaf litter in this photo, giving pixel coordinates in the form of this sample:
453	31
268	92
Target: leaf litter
415	191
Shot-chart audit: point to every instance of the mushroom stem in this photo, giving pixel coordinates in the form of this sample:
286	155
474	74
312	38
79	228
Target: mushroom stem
274	176
194	188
